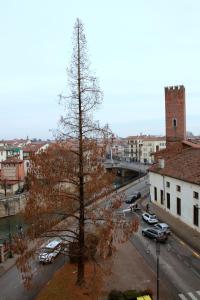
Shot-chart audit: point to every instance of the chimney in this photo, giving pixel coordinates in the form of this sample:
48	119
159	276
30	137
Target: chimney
161	162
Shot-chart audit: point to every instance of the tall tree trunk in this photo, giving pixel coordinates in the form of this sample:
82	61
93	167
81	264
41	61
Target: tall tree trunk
81	269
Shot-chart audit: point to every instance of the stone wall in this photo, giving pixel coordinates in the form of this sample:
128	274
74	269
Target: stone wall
10	206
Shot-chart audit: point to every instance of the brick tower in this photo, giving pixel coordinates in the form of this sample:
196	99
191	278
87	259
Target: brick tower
175	114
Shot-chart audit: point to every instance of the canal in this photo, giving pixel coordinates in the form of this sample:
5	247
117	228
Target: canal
12	224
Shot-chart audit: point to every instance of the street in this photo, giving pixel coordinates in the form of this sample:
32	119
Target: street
11	286
179	265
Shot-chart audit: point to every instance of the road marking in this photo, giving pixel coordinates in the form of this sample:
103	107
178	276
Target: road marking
192	296
181	242
196	254
189	248
182	297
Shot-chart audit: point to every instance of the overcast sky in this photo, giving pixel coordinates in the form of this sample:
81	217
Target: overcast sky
136	49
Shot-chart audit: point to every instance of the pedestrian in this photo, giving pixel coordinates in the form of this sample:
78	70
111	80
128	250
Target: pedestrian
147	207
20	231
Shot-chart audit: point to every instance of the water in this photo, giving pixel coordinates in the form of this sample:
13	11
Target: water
13	222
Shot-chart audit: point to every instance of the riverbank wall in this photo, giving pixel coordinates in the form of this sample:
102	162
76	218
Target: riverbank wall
12	205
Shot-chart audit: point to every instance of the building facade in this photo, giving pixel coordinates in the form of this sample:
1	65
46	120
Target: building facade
180	198
141	148
175	178
12	175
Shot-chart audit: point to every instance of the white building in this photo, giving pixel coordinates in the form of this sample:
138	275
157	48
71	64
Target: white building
175	186
141	148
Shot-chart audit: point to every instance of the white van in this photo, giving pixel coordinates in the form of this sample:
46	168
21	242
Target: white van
49	250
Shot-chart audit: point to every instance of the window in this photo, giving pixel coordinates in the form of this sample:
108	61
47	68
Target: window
161	197
167	184
195	195
155	193
196	215
178	206
174	123
178	188
168	200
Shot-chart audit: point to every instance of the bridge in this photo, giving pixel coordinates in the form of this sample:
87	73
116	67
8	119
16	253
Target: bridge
134	166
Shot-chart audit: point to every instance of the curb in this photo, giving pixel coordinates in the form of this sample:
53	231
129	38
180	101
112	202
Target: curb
177	235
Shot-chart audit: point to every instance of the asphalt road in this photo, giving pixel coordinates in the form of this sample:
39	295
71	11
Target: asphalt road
11	286
179	266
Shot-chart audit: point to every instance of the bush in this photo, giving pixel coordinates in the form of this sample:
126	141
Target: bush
131	294
149	292
116	295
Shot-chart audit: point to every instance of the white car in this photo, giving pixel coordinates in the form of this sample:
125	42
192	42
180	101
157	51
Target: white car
163	227
49	250
149	218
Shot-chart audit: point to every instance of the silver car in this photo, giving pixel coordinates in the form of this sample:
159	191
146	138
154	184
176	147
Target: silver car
163	227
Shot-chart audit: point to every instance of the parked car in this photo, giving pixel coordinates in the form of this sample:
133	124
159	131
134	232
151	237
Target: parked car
49	250
153	233
134	207
132	198
149	218
163	227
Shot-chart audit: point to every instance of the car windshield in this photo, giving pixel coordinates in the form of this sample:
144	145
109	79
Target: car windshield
46	250
152	217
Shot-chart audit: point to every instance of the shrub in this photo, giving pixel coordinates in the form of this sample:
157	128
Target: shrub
149	292
131	294
116	295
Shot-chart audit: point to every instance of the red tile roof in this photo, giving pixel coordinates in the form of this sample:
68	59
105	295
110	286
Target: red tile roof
147	138
33	147
12	160
184	166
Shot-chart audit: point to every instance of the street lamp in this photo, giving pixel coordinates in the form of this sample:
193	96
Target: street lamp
7	206
157	273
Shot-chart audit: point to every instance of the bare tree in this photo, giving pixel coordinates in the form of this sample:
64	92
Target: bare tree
69	179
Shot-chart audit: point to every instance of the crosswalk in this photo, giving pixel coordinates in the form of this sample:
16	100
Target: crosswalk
190	296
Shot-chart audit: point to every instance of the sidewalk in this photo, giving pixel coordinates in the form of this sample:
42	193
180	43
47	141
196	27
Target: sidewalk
130	271
189	235
6	265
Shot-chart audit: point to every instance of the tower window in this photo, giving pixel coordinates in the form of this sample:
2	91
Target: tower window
174	123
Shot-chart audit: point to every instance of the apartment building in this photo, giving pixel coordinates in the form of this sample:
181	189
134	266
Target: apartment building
141	148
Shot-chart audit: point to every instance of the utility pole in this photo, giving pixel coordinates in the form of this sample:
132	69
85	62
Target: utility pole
5	191
157	273
8	215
